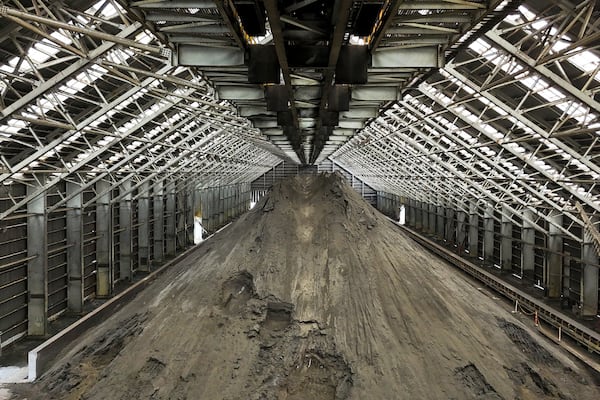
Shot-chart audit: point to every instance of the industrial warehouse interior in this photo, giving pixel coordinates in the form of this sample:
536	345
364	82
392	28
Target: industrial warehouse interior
300	199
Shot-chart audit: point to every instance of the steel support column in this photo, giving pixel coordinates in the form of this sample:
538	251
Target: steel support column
553	273
506	240
527	248
225	199
461	218
144	228
159	223
125	243
180	218
440	222
210	209
473	230
104	244
418	216
37	266
488	235
221	201
589	280
410	213
170	224
206	209
235	201
432	218
425	216
228	198
75	263
198	212
189	216
214	208
448	236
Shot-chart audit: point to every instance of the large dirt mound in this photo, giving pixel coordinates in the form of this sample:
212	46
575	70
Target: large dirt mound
313	295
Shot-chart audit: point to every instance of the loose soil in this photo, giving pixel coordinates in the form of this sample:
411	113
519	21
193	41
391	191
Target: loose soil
312	295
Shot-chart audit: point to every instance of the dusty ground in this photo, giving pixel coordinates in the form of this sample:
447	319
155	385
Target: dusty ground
312	295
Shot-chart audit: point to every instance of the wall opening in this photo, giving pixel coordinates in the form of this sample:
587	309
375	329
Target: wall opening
198	229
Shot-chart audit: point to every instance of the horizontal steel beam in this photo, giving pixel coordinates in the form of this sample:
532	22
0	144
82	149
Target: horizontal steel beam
381	93
202	56
240	93
418	57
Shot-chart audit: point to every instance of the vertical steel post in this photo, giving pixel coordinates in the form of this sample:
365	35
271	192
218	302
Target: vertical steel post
553	273
506	240
441	228
461	222
449	228
425	216
527	248
488	234
37	266
432	218
189	216
170	226
75	264
589	279
221	206
207	209
104	244
410	213
418	216
180	217
159	223
125	244
144	227
473	229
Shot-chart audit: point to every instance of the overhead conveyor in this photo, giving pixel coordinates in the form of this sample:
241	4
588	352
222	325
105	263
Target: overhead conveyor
310	74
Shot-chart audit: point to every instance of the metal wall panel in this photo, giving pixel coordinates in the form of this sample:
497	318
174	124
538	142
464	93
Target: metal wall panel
13	267
89	247
57	252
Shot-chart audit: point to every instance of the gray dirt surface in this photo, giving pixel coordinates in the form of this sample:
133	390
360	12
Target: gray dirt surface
311	295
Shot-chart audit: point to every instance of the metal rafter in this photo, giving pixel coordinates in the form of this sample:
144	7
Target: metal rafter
111	110
525	158
466	119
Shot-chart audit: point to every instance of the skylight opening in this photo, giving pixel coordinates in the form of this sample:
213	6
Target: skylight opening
108	9
357	40
465	113
585	60
538	85
480	46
